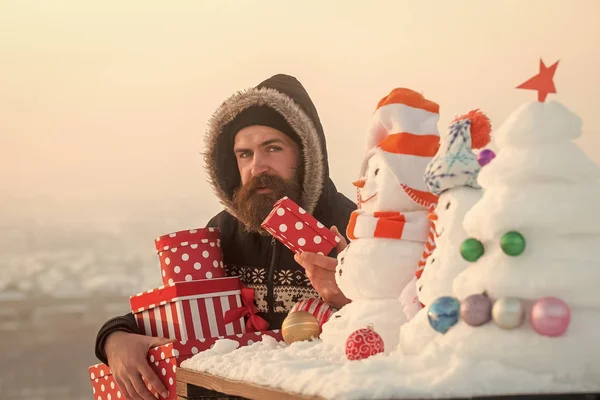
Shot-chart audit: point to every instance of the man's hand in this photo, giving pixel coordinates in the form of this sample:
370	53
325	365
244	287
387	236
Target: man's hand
126	353
321	272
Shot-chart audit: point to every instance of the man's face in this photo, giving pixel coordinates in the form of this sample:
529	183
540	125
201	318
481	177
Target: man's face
268	163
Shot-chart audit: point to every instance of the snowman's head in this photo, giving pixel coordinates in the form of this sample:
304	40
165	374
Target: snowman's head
379	189
451	208
426	291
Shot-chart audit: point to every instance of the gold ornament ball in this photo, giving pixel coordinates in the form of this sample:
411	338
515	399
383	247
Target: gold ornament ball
299	326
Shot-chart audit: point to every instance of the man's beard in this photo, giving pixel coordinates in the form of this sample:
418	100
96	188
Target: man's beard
252	207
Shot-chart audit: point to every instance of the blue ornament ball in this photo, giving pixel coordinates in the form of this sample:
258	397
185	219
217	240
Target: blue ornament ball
444	313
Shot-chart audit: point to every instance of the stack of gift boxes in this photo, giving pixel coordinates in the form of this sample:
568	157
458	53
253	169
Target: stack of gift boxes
196	306
199	305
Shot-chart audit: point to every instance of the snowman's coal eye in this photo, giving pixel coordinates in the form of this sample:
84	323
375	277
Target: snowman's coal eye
432	260
447	205
376	171
420	288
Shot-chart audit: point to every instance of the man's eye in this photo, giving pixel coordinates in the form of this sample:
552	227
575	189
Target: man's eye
274	148
244	154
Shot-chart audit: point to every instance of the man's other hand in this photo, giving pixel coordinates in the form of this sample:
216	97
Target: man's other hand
321	273
126	353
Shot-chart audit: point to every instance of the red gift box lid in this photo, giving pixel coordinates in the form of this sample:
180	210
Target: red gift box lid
184	290
99	371
303	216
184	238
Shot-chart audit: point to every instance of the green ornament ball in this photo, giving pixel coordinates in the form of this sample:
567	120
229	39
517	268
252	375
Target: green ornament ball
512	243
471	249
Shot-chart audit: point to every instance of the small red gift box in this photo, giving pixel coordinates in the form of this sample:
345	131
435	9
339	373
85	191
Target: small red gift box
190	310
319	308
297	229
165	360
190	255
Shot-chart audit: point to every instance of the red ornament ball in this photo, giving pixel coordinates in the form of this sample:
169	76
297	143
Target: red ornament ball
363	343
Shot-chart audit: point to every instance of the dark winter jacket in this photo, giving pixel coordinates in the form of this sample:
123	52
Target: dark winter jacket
262	262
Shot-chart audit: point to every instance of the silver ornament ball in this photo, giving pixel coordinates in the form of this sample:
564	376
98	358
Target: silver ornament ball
508	313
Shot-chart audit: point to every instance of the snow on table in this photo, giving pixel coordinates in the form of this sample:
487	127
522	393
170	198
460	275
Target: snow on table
312	368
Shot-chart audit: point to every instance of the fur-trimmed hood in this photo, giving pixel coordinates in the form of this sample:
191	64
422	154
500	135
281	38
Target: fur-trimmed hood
286	95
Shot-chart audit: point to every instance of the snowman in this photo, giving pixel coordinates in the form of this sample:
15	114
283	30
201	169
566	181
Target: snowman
452	175
389	230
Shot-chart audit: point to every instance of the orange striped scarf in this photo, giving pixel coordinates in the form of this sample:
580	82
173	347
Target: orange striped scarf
429	247
409	296
413	226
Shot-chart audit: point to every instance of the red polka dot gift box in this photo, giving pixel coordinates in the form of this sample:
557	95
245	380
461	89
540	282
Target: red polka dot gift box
165	360
298	230
191	310
190	255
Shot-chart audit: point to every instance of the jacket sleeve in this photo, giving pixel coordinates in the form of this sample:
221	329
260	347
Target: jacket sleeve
123	323
127	322
213	223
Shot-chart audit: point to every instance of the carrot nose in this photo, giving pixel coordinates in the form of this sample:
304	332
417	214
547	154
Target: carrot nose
359	183
432	216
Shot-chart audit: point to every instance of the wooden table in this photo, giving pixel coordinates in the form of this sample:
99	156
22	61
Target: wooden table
192	385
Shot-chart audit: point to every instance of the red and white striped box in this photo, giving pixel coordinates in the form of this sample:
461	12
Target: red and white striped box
190	255
320	309
189	310
297	229
165	360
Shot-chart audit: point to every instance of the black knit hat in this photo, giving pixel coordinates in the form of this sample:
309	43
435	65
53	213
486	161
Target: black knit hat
259	115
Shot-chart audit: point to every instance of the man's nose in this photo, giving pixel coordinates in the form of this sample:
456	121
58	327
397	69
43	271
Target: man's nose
259	166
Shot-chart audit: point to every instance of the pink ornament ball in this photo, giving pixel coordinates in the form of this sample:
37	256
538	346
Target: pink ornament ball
363	343
550	316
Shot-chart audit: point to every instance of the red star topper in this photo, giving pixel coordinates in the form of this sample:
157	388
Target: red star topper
542	82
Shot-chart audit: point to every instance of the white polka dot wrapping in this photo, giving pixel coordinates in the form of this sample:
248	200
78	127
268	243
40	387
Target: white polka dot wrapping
298	230
188	251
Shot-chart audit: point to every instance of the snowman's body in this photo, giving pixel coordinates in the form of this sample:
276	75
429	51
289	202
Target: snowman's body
373	271
374	268
442	266
446	262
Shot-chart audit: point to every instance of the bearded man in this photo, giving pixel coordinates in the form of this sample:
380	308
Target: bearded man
262	144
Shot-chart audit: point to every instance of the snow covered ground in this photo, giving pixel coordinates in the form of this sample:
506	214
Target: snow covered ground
312	368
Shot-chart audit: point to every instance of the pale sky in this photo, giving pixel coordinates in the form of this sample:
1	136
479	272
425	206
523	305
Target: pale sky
103	104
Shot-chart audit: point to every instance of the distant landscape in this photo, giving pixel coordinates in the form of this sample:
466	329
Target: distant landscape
64	270
47	250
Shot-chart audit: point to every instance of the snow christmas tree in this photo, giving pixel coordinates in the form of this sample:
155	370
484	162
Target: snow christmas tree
528	299
452	175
